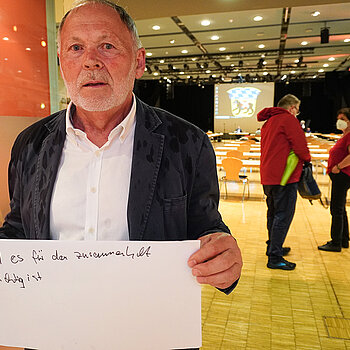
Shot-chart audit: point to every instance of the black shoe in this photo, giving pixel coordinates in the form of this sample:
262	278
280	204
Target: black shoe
330	247
345	244
282	265
285	251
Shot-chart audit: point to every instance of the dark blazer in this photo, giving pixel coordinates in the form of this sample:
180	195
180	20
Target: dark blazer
173	188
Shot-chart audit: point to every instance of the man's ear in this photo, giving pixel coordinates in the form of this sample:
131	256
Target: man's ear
140	62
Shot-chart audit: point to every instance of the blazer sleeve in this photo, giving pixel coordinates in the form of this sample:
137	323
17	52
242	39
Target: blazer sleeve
203	214
12	227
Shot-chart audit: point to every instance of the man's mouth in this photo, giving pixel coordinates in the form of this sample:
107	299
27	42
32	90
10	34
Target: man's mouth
94	84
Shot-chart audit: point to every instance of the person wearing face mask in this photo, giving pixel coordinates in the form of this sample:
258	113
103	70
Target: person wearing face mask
339	172
280	134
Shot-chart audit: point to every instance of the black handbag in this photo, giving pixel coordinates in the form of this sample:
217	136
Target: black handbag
307	186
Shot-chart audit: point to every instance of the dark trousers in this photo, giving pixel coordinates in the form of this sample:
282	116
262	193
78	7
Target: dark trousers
340	225
280	202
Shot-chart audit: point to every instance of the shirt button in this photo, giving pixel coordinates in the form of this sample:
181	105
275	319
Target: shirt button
97	153
93	189
91	230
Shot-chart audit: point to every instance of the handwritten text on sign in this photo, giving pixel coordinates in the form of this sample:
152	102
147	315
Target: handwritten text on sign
98	295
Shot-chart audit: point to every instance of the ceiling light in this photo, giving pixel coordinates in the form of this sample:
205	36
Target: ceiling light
284	77
296	61
42	106
257	18
194	58
28	49
265	73
315	13
261	46
6	38
215	37
308	30
155	73
242	47
156	27
228	57
184	51
304	43
14	28
208	71
292	72
182	72
172	41
321	70
188	77
5	59
347	40
326	65
43	43
331	59
222	48
230	20
149	54
260	34
214	75
205	22
264	63
161	61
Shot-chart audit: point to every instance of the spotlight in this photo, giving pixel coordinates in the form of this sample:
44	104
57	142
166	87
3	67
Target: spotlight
324	35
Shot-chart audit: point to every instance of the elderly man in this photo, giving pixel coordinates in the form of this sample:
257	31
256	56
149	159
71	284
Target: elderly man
111	167
280	134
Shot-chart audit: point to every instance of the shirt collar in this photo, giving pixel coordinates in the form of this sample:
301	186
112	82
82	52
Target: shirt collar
123	129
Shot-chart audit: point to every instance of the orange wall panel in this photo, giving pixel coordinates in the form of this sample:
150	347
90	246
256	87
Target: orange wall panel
24	73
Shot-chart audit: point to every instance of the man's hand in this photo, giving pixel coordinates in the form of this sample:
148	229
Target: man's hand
335	170
218	262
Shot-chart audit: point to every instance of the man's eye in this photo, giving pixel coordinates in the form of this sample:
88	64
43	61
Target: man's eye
108	46
76	47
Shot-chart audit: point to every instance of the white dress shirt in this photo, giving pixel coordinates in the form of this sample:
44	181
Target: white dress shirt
91	191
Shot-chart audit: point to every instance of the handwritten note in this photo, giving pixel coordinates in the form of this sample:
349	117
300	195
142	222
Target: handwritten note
75	295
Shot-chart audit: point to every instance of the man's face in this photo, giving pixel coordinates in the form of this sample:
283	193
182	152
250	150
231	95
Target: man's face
98	59
295	109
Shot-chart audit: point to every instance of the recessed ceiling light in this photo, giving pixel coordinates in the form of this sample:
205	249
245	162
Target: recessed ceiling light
265	73
188	77
156	27
214	75
5	59
304	43
208	71
242	47
315	76
161	61
205	22
43	43
166	52
264	63
315	13
184	51
155	73
232	65
222	48
19	71
308	30
292	72
257	18
228	57
331	59
261	46
260	34
296	61
6	38
28	49
215	37
194	59
321	70
182	72
149	54
172	41
326	65
347	40
42	106
231	20
14	28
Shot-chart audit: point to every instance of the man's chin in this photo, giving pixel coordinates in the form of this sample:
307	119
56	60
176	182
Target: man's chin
94	105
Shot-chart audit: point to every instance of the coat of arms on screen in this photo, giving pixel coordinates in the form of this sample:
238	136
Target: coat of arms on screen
243	101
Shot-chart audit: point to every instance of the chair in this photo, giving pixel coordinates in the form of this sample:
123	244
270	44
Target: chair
234	154
232	167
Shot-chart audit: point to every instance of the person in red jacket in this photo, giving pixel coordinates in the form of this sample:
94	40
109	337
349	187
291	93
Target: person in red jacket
280	134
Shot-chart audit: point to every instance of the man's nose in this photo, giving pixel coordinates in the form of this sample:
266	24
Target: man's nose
91	60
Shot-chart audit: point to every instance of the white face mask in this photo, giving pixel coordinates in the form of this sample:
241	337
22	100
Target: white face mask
341	124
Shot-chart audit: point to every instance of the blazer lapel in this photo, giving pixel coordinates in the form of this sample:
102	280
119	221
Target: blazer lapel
46	172
147	155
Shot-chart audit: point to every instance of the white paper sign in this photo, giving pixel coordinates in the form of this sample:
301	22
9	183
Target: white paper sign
68	295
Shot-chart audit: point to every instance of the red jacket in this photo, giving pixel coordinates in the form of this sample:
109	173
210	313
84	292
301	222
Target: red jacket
280	134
